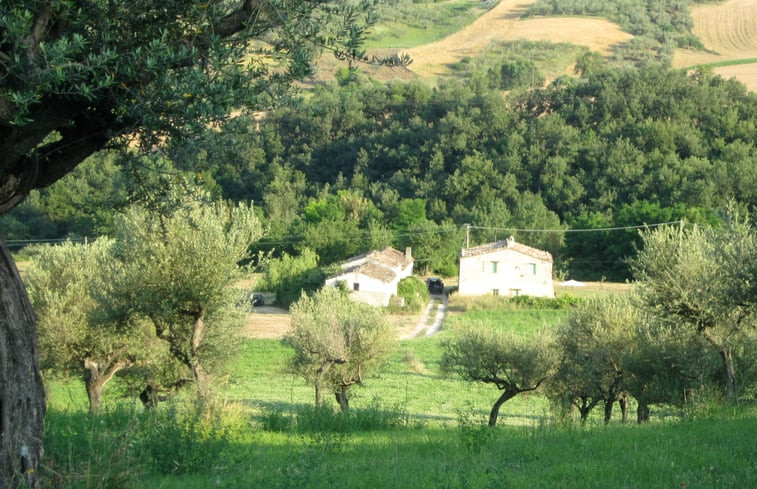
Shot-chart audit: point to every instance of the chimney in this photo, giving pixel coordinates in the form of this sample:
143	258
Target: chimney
408	253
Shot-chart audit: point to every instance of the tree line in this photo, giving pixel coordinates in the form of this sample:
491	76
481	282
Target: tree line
365	164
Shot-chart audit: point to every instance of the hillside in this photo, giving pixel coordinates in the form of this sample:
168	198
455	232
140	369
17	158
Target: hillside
505	22
729	34
726	30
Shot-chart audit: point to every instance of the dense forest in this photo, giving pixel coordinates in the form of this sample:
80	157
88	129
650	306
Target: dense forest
360	164
357	163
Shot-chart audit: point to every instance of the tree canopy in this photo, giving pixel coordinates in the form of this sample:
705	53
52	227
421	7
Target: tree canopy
79	77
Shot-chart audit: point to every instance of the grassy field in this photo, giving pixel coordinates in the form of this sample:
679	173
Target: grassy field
410	426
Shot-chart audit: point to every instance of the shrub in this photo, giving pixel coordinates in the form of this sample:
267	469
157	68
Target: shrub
414	294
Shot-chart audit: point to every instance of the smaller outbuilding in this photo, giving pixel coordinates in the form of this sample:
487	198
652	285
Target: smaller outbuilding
373	276
505	268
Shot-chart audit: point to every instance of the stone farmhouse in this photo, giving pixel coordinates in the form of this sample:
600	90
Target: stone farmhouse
505	268
373	277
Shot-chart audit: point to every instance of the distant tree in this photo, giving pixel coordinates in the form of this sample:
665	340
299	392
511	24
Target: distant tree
703	280
290	275
183	268
513	364
337	342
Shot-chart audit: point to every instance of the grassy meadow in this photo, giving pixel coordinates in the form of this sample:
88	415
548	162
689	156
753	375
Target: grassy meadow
409	426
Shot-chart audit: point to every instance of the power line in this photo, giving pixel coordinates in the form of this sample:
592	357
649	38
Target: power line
583	230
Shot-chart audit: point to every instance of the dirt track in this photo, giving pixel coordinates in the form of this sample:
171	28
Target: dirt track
504	22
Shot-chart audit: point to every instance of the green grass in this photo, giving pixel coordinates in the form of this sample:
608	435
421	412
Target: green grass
733	62
713	453
410	24
410	426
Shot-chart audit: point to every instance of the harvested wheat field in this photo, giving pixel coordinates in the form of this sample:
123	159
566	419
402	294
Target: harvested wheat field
729	33
504	22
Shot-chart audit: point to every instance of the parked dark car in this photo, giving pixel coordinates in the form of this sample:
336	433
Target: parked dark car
257	299
435	285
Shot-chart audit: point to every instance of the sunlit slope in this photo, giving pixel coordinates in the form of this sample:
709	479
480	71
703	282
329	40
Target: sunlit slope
729	33
504	22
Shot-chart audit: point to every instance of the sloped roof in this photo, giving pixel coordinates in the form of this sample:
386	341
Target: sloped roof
508	244
372	270
388	256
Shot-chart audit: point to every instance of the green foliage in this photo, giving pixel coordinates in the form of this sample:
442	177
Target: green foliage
337	341
80	328
325	419
409	23
591	345
92	451
520	73
659	27
291	276
190	439
181	276
512	363
414	293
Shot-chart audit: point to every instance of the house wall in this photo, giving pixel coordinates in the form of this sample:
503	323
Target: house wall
371	290
514	274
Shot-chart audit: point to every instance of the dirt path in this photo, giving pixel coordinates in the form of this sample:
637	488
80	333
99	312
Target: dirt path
503	22
273	323
426	327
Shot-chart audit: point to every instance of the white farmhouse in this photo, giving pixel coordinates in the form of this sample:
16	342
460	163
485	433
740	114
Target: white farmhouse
373	277
505	268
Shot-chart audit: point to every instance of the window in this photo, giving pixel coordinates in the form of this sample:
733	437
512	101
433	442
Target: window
515	292
494	266
495	291
356	286
532	268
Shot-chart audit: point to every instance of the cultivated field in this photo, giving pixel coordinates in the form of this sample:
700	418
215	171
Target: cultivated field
504	22
729	34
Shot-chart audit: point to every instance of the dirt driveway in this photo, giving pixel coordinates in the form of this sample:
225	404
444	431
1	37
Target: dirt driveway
274	322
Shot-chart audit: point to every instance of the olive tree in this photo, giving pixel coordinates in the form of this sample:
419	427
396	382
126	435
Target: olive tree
337	342
68	285
591	345
181	275
512	363
667	366
703	281
80	77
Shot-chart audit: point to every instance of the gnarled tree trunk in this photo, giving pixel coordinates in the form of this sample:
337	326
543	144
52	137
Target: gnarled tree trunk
506	396
22	395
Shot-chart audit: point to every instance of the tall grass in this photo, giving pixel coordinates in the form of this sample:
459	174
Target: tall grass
122	449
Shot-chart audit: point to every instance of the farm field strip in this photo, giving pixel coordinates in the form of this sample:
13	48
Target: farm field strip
729	33
504	22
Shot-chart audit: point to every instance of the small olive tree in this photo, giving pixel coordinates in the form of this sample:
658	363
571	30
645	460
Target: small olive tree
512	363
337	342
182	270
591	345
69	287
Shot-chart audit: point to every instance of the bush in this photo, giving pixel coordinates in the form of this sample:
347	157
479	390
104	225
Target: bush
196	439
413	292
326	419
